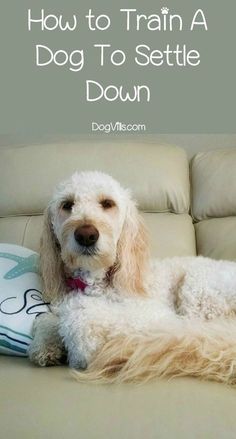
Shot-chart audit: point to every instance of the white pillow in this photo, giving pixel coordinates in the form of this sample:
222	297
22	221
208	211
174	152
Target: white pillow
20	298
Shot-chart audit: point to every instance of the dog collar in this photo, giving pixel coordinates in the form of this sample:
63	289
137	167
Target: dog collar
76	283
79	284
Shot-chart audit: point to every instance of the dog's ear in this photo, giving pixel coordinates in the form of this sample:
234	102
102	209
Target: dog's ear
50	261
132	253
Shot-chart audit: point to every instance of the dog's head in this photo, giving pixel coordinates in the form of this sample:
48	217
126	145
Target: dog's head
92	224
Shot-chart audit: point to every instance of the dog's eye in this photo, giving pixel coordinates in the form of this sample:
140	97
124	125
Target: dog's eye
107	203
67	205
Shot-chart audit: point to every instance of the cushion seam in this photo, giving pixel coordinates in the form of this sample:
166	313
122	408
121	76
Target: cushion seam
26	227
185	212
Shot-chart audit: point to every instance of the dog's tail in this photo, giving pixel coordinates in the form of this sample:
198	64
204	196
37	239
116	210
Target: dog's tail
181	348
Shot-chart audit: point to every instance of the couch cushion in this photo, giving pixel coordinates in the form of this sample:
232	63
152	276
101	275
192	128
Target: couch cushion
13	229
47	403
158	175
214	184
216	238
170	234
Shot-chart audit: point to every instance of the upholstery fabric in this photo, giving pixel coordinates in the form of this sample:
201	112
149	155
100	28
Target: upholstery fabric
213	176
216	238
159	178
48	404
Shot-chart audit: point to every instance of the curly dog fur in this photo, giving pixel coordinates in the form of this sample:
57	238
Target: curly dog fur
137	318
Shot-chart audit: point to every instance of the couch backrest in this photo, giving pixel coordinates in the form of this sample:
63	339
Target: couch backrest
158	176
213	176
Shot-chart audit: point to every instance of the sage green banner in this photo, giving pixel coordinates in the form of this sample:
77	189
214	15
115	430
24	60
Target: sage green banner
81	67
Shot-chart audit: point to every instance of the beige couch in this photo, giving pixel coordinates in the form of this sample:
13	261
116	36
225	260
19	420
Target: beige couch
47	403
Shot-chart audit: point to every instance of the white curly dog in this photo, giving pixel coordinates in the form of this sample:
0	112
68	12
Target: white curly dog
117	314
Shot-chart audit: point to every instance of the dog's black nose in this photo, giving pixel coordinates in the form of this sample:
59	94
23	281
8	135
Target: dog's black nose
86	235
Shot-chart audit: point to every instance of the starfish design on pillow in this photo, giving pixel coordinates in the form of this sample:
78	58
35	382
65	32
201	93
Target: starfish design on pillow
24	265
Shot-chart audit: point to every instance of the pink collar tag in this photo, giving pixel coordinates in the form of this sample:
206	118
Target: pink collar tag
76	283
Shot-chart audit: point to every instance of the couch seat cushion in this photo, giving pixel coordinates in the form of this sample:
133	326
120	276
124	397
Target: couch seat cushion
47	403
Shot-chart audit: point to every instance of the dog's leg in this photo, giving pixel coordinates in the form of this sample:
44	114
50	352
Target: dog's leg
87	323
47	347
135	340
178	347
80	328
208	290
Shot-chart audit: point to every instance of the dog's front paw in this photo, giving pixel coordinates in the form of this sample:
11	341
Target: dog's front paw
77	360
47	348
48	355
